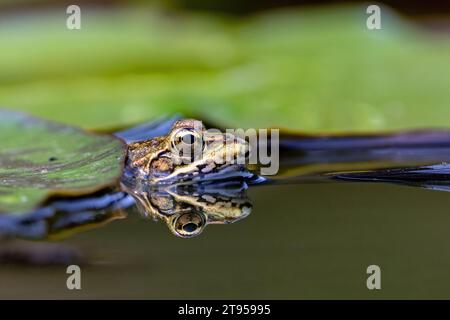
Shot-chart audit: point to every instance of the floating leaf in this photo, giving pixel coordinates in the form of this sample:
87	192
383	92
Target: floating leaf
39	159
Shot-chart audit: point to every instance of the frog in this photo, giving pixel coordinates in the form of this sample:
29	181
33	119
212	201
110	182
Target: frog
188	153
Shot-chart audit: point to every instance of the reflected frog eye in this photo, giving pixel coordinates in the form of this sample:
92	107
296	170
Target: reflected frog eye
185	136
188	225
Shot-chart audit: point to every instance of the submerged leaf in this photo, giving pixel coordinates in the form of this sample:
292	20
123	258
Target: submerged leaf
39	159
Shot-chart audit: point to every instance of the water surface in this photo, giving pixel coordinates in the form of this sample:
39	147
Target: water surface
307	241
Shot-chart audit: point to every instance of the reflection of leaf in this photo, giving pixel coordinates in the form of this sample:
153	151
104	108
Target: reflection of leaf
39	159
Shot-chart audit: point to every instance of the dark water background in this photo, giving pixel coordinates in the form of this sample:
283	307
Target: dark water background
300	242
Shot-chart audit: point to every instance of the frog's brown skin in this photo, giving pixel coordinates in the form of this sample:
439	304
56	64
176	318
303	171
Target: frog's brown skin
158	161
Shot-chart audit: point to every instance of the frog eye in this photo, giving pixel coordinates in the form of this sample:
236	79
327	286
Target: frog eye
187	143
188	225
186	136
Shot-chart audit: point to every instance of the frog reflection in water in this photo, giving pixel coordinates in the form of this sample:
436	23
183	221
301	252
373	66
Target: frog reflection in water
188	209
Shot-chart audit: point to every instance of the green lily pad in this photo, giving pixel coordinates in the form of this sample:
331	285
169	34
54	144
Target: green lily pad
39	159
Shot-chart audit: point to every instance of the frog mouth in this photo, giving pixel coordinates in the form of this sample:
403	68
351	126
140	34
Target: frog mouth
226	173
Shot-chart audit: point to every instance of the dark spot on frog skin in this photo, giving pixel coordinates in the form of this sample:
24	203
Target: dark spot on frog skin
161	167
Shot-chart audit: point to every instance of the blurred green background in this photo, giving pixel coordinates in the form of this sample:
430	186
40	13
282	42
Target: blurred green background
313	68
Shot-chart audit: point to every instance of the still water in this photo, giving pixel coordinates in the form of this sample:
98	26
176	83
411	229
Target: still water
307	241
